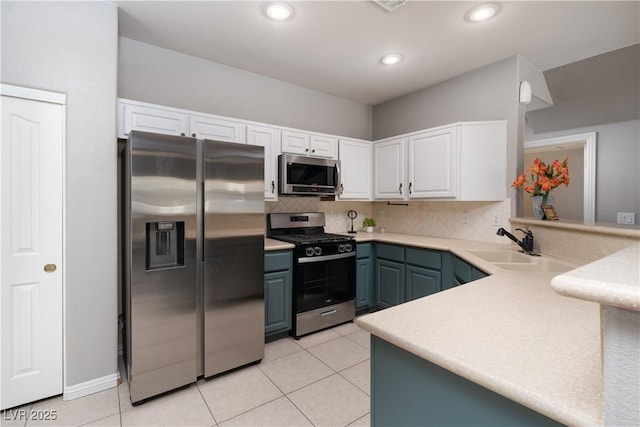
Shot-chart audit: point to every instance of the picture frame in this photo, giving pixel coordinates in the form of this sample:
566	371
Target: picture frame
550	212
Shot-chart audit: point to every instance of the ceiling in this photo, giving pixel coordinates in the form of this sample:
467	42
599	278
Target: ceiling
335	46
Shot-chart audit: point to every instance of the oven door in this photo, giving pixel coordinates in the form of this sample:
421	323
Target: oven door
324	280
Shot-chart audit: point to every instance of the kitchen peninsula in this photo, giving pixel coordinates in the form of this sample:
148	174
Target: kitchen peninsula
465	355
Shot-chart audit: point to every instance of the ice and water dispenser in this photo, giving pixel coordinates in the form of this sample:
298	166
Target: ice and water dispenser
164	245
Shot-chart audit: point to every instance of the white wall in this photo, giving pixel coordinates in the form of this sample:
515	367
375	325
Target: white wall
161	76
71	47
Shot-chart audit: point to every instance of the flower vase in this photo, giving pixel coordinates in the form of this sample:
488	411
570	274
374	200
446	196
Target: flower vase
536	204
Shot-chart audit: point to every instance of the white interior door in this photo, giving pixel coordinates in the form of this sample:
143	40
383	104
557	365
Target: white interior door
31	236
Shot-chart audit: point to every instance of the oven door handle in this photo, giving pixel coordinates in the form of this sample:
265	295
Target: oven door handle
326	257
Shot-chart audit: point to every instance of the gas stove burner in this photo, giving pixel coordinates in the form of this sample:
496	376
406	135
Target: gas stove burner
308	239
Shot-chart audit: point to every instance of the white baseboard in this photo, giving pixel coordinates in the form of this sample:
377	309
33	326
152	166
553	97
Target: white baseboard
89	387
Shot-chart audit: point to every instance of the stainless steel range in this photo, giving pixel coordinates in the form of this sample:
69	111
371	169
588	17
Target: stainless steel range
324	271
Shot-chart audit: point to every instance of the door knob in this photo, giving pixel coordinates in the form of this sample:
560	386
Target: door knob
50	268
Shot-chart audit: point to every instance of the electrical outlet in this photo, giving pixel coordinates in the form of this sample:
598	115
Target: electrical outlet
626	218
381	214
335	214
431	216
496	219
466	217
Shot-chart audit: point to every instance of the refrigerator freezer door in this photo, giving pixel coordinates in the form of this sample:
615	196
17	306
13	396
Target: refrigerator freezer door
160	262
233	255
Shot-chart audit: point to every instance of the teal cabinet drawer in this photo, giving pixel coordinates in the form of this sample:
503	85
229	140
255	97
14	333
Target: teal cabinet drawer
390	252
363	250
424	258
277	261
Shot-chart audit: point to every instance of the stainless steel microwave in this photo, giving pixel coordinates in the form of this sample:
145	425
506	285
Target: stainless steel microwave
308	176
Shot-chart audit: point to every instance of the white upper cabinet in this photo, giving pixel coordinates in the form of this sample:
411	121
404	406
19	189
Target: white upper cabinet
389	167
207	127
433	163
483	161
134	115
323	146
306	144
151	119
269	138
356	160
295	142
463	161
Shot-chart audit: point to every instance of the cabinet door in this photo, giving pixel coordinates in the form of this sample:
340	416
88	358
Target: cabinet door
295	142
483	144
432	164
269	138
277	293
389	283
156	120
421	282
364	270
217	129
355	169
389	169
323	146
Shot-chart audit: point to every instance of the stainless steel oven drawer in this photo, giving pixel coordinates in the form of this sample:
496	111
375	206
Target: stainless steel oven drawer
324	317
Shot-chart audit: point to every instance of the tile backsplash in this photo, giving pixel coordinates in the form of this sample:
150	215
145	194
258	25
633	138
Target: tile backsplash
438	219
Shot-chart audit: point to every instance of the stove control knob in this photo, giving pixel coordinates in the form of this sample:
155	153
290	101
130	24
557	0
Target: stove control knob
348	247
341	248
317	250
309	251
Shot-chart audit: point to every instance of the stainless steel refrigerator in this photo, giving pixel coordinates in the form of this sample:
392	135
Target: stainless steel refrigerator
193	259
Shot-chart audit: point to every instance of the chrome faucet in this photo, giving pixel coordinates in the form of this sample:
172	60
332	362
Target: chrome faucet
526	243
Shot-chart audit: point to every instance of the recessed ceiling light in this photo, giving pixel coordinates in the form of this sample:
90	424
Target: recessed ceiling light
483	12
391	59
278	11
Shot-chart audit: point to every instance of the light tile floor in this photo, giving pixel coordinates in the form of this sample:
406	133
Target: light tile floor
322	379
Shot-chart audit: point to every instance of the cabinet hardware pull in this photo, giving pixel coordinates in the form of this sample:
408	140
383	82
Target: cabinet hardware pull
410	187
193	135
341	188
400	189
306	150
273	186
313	151
327	313
182	134
50	268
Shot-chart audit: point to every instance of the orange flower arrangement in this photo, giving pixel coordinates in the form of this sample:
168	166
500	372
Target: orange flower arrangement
544	178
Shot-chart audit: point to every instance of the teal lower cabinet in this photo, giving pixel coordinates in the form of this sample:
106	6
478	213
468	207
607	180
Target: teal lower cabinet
364	276
405	273
389	283
463	272
407	390
421	282
277	291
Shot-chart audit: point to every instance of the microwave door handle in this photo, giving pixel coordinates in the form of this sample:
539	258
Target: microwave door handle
336	176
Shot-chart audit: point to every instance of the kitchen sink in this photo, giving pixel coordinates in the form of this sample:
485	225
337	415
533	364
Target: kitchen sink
540	264
517	261
503	256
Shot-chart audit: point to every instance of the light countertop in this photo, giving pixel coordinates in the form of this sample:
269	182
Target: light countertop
276	245
510	333
613	280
